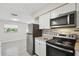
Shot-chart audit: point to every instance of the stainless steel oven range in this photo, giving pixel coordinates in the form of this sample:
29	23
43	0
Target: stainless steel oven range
61	45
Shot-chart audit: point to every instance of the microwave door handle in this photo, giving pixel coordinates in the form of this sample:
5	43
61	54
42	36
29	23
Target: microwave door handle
68	22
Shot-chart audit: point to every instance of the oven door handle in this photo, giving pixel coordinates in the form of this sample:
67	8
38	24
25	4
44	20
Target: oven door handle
60	48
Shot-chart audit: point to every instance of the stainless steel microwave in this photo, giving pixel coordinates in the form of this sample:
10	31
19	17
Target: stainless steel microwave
64	20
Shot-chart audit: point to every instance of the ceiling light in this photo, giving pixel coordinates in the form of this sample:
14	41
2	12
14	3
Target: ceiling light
15	19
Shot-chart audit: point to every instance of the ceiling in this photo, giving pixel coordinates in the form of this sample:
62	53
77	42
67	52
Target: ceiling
23	10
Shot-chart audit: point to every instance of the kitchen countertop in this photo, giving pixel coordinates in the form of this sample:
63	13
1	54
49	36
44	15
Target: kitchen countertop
44	38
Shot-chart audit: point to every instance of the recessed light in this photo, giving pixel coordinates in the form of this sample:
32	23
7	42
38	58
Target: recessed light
15	19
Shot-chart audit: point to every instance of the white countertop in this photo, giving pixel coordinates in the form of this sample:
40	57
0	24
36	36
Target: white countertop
44	37
41	38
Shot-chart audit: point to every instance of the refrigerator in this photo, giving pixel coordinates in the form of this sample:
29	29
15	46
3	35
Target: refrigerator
33	31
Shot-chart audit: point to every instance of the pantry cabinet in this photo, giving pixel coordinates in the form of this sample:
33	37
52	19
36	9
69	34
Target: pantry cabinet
77	15
40	47
44	21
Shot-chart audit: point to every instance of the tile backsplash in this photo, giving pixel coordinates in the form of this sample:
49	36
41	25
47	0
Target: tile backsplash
62	30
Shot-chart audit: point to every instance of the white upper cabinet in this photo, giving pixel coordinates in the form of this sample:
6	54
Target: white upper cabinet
68	8
63	9
55	13
44	21
37	20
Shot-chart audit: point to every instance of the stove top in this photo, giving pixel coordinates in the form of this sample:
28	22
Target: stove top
62	42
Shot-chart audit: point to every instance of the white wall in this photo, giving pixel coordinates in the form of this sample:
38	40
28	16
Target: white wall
20	34
13	43
14	48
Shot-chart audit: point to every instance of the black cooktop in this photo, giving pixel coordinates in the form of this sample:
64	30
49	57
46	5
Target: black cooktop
61	42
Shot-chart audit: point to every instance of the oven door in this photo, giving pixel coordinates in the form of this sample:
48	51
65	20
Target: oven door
53	50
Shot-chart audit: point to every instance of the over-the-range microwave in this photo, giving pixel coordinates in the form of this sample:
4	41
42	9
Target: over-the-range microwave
64	20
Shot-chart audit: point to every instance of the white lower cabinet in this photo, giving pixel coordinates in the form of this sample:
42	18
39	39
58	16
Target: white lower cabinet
0	51
37	49
76	53
40	47
43	48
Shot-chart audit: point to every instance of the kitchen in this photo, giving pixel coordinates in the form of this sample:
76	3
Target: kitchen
53	30
58	25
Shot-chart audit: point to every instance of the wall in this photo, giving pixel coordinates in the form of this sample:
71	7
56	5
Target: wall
14	48
63	31
13	43
20	34
66	31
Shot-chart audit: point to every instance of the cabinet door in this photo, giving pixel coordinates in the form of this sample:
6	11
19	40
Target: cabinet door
77	15
0	51
0	48
37	20
68	8
44	21
42	48
37	47
76	53
63	9
55	13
